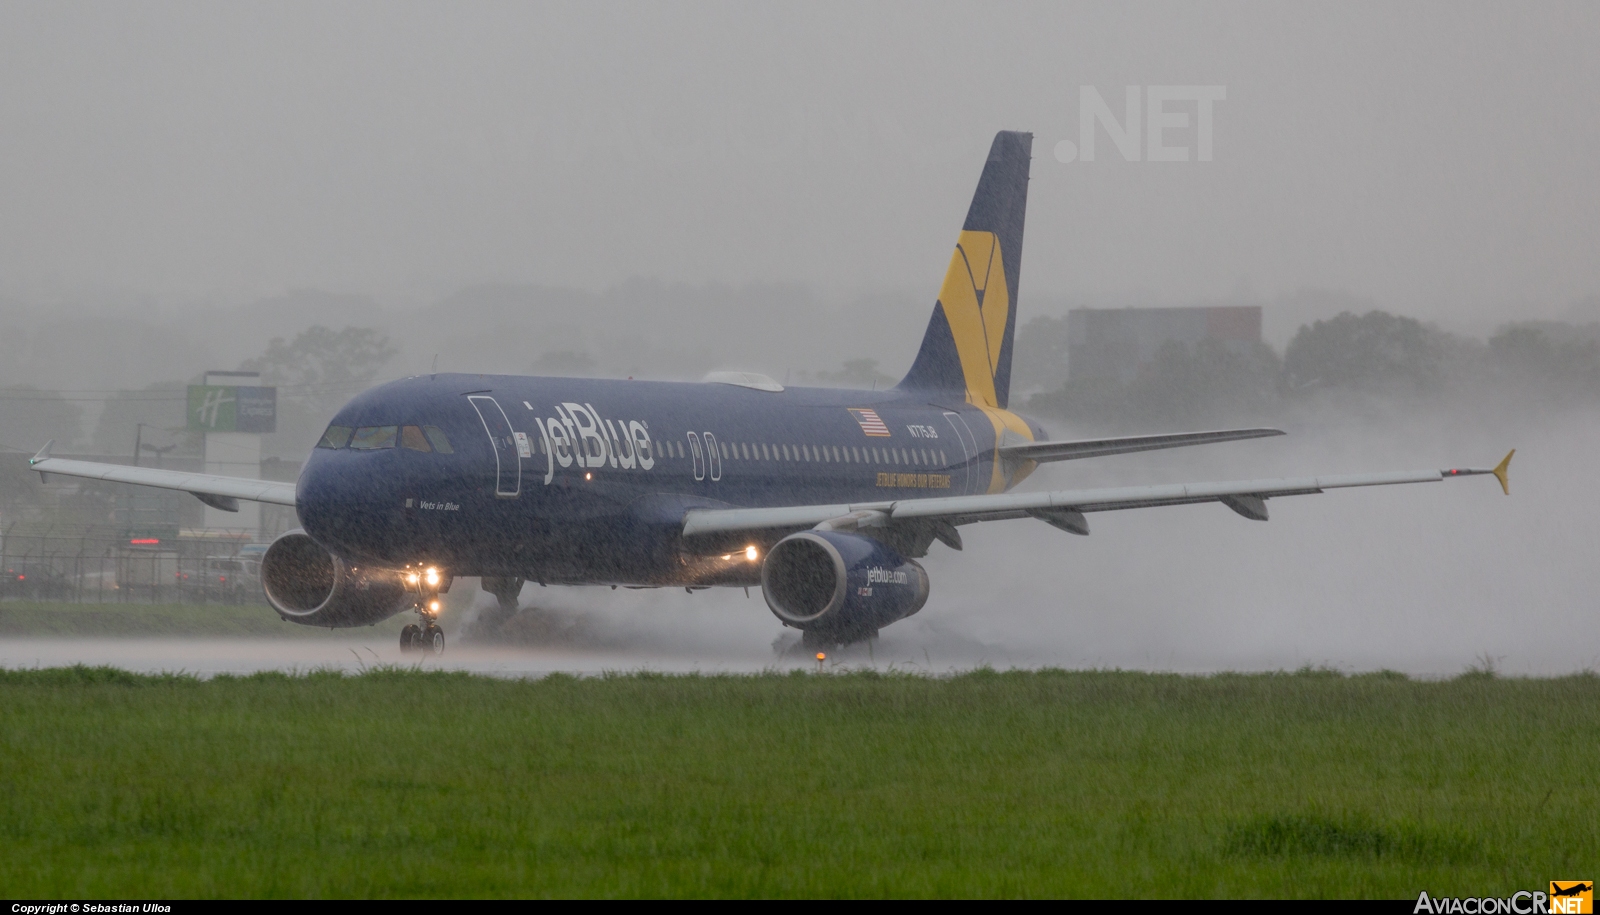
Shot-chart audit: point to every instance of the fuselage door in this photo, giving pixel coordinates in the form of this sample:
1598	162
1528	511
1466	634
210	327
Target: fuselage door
699	457
508	466
966	472
713	457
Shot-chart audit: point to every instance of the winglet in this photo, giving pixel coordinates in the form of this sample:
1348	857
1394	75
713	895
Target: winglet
1502	472
43	453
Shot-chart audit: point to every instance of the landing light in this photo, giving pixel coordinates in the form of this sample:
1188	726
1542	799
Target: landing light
433	577
588	476
411	579
434	606
750	553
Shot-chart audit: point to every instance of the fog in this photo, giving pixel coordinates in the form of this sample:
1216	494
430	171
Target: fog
662	190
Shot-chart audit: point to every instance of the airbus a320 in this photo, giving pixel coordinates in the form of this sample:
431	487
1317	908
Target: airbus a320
824	498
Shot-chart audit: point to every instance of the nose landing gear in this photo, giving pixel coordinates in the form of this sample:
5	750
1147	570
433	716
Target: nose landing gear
422	639
427	637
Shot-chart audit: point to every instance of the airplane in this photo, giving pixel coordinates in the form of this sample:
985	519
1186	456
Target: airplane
824	498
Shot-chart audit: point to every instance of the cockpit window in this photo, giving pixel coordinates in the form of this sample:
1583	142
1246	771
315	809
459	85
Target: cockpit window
335	437
412	438
436	435
372	438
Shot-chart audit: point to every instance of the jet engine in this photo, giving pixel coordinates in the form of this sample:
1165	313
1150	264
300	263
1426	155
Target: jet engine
308	585
840	587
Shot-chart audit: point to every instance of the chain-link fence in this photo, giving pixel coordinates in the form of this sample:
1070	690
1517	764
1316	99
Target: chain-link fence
93	565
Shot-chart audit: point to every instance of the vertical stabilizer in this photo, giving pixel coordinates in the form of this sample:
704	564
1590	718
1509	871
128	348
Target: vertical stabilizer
967	347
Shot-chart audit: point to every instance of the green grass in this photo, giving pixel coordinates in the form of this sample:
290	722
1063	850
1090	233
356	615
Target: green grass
1107	784
61	619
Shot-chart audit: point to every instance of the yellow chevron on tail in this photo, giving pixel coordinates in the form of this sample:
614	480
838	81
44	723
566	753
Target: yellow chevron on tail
977	303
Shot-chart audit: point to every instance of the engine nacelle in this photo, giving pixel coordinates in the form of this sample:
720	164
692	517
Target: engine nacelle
839	585
308	585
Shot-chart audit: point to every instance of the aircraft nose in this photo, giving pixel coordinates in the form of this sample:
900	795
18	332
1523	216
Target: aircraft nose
347	503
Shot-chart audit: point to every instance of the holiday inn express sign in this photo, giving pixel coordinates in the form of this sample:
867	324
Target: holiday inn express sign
232	408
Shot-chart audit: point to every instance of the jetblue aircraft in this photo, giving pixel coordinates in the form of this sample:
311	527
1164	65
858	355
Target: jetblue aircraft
824	498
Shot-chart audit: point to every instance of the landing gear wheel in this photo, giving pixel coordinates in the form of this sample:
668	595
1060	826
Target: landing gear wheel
432	640
410	639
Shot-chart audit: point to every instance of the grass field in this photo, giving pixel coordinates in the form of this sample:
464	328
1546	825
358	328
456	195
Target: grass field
1107	784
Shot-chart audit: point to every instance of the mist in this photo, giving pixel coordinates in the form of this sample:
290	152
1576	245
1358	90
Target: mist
659	191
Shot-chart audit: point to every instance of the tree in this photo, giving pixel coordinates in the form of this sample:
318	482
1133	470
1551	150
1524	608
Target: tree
159	407
30	417
857	373
321	358
1374	350
316	373
1548	351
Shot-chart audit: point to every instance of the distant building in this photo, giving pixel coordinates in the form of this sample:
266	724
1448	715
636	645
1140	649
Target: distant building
1113	344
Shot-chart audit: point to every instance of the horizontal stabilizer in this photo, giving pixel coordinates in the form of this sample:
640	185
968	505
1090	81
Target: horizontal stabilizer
1100	447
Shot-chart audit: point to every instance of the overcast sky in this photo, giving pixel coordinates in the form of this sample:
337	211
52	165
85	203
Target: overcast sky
1439	158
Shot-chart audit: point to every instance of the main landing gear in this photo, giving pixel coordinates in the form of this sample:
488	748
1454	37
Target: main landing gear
426	637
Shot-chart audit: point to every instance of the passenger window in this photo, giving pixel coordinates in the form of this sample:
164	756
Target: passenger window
374	438
438	439
411	438
335	437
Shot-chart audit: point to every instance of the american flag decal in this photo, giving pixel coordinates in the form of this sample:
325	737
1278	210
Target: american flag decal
870	423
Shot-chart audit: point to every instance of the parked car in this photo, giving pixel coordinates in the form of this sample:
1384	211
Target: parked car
230	579
34	580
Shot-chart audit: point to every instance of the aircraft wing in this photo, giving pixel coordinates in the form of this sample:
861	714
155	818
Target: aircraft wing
1062	508
215	491
1087	448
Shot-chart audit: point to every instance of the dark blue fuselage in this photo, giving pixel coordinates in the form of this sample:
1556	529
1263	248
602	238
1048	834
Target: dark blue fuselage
587	481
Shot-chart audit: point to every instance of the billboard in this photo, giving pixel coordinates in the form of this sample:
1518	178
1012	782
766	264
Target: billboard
232	408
